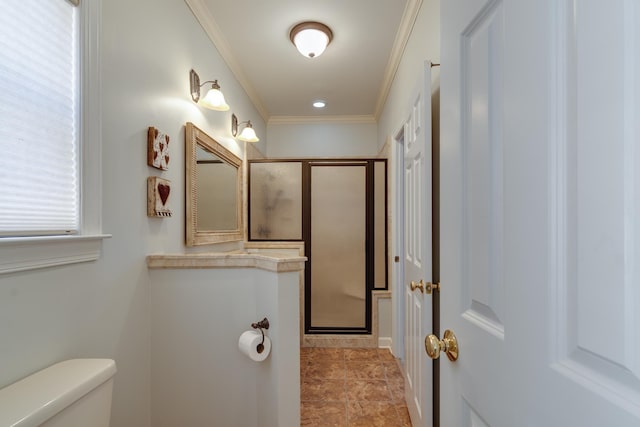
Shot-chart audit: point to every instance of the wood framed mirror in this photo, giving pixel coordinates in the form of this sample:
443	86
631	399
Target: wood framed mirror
213	190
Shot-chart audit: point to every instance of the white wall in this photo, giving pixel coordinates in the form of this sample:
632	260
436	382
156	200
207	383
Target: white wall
102	309
328	139
149	46
199	377
424	44
384	322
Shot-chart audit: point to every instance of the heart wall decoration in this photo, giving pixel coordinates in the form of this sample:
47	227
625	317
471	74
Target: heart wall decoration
157	149
158	194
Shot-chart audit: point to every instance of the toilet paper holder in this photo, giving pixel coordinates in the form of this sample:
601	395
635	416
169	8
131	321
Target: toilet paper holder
262	325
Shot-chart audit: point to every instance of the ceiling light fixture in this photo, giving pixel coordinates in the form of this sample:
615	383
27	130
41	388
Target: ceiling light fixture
319	104
214	99
311	38
247	134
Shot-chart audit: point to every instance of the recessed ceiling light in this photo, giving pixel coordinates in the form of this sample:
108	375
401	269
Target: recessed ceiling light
319	104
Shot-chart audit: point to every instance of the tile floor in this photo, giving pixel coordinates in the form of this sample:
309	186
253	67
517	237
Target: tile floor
351	387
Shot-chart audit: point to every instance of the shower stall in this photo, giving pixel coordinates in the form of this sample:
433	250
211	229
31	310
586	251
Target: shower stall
338	208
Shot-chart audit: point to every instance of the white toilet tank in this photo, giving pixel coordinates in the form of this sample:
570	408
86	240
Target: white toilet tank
73	393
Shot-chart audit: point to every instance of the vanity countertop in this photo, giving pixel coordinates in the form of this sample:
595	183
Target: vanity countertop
271	260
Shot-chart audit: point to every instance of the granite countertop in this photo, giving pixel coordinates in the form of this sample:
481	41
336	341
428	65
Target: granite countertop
267	260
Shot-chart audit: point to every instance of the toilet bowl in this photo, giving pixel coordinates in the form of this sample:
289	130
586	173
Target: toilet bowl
73	393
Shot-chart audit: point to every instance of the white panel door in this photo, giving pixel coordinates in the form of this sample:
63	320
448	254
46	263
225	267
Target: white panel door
417	251
540	212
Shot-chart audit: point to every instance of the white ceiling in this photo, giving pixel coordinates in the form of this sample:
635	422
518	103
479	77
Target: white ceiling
352	76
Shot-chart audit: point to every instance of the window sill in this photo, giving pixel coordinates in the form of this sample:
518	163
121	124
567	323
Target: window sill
31	253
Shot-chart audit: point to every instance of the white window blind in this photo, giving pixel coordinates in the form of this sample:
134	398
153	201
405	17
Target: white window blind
39	150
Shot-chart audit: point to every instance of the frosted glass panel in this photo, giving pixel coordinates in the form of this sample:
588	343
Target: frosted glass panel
380	227
338	258
276	201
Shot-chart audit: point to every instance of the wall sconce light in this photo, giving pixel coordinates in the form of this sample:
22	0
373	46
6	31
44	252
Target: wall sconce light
247	134
214	99
311	38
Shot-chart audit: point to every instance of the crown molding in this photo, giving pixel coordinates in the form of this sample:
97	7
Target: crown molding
208	23
206	20
402	37
298	120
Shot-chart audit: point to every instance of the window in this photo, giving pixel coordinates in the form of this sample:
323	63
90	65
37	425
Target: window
39	189
49	133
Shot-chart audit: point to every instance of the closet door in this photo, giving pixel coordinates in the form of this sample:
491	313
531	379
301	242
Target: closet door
339	297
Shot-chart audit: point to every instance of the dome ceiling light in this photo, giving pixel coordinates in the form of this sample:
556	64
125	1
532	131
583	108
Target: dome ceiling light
311	38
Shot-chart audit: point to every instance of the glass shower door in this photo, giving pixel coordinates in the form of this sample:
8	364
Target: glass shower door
338	198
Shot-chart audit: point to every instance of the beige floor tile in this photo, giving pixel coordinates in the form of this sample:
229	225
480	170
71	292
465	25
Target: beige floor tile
372	414
313	389
392	370
368	390
351	387
361	354
321	414
324	353
385	355
328	369
403	415
365	370
396	387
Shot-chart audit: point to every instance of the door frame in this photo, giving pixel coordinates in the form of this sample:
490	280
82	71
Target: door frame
398	241
398	222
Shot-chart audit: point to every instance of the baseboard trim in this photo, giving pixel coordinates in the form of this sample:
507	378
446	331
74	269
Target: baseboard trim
385	342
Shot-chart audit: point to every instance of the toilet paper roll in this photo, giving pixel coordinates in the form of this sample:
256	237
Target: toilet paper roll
249	344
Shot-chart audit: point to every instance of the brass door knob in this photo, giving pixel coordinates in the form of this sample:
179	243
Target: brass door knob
449	344
425	287
418	285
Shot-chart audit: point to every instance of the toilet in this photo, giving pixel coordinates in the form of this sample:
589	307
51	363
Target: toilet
73	393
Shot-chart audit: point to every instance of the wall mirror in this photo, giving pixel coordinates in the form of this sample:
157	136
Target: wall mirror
213	190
